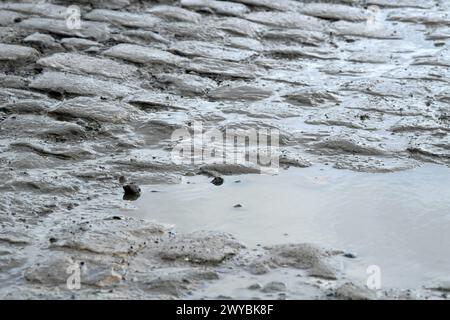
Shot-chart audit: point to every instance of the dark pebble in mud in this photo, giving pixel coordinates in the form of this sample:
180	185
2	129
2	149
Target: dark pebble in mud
217	181
349	255
131	197
132	192
238	206
131	189
364	117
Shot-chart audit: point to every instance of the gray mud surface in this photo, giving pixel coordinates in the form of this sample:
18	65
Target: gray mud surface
354	84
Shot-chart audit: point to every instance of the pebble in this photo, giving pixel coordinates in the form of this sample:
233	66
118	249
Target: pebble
131	189
217	181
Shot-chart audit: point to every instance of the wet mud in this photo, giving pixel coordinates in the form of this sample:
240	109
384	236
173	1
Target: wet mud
354	84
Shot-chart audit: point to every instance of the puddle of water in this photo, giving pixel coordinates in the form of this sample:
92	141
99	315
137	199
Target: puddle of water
398	221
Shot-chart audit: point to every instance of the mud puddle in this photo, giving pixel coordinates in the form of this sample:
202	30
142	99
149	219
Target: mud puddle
397	221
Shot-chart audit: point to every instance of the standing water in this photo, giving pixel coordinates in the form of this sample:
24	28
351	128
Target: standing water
397	221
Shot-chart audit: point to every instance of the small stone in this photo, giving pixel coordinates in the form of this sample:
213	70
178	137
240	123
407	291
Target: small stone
217	181
350	255
237	206
132	192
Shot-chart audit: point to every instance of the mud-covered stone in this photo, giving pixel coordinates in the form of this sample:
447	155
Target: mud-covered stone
10	52
136	20
200	247
294	52
274	286
189	84
175	281
40	9
129	235
421	16
302	256
175	13
296	35
403	3
15	235
244	93
60	82
78	63
286	20
335	11
57	151
349	144
380	30
221	7
89	29
312	98
209	50
241	26
281	5
27	106
228	169
144	55
224	68
8	18
351	291
41	126
94	109
74	44
44	42
57	268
